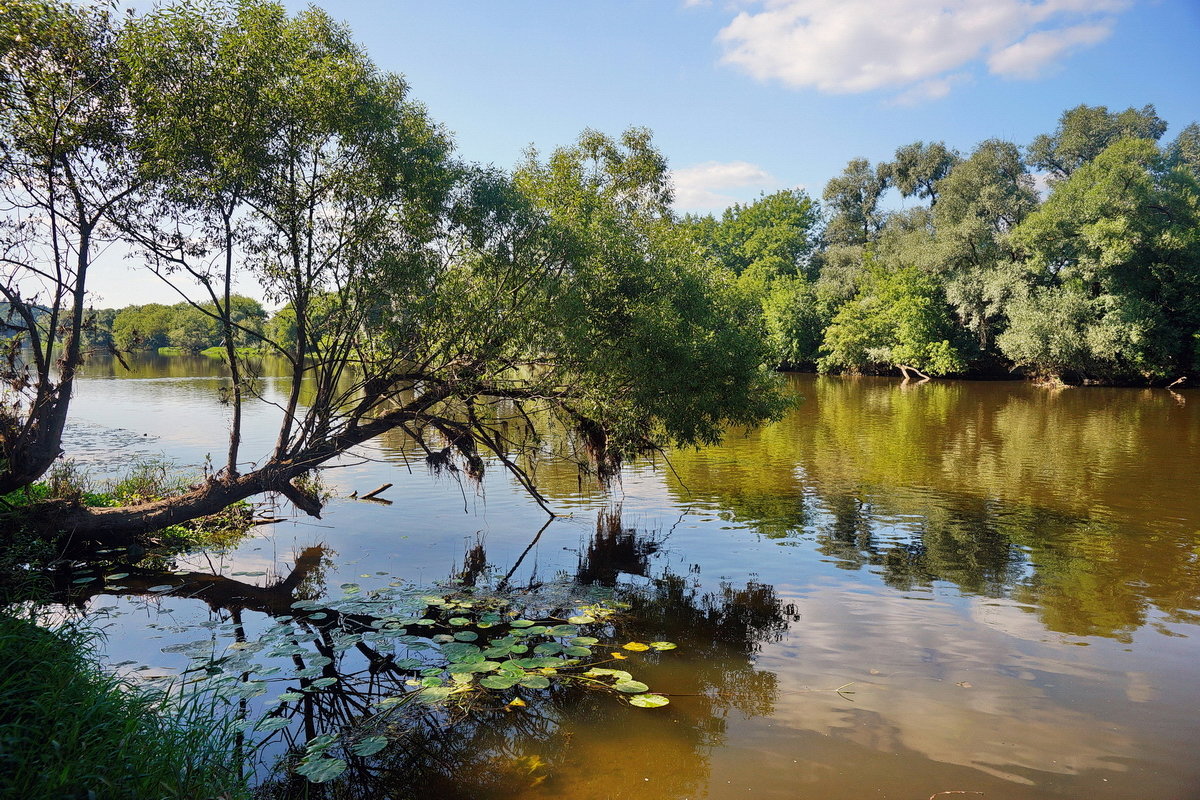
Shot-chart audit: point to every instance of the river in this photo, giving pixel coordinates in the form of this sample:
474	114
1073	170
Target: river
948	589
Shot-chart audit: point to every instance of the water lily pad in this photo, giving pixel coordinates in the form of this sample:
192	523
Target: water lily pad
582	619
321	770
630	687
636	646
498	682
535	682
648	700
369	746
663	645
268	724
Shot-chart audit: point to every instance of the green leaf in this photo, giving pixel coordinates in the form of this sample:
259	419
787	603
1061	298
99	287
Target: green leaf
321	770
466	636
459	621
268	724
548	648
535	682
166	587
578	652
648	700
521	623
663	645
436	694
321	683
369	746
498	682
563	630
582	619
630	687
585	640
636	646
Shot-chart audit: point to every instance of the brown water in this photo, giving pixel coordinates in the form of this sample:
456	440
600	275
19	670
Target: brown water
1002	580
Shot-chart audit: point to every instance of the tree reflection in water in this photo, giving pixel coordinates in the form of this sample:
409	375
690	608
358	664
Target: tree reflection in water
344	668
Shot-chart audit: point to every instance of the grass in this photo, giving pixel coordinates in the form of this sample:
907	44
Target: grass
70	730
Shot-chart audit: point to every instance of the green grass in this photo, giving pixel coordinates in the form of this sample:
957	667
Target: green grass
70	730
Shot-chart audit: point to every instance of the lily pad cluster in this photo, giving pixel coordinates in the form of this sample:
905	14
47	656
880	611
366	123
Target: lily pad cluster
349	667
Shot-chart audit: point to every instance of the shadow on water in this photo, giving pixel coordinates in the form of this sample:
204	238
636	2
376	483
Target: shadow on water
346	665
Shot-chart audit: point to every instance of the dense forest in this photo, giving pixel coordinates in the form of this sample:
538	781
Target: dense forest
1075	258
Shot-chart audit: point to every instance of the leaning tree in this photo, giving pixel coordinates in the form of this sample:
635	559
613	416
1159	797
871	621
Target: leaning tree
460	305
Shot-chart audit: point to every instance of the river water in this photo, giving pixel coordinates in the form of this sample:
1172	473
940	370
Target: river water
951	589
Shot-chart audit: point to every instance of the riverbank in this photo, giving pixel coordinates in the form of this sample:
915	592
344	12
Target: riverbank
73	730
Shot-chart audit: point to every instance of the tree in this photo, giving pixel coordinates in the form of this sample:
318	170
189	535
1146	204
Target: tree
918	168
65	167
145	327
450	302
898	320
1115	255
983	199
852	199
1085	131
771	236
769	245
1184	151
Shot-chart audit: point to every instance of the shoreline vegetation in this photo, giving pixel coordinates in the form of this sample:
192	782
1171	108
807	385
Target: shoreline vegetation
73	729
1073	260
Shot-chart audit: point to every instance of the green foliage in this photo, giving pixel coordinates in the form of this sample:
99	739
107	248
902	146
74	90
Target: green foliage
795	321
982	200
189	328
637	298
68	727
852	201
1085	131
1184	151
899	318
919	167
1116	252
772	236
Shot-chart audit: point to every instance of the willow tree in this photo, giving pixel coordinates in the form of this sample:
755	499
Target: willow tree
65	164
423	294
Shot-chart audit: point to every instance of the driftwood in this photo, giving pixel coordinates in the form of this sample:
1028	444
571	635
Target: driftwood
380	490
904	368
1177	381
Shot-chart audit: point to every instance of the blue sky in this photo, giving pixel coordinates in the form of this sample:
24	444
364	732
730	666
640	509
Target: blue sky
746	97
750	96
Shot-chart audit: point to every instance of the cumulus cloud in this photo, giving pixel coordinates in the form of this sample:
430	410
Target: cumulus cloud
843	46
699	187
1029	57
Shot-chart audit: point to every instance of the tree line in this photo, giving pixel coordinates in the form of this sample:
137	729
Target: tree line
182	327
982	275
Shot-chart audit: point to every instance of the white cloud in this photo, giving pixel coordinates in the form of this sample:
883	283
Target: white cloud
696	187
1030	56
843	46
